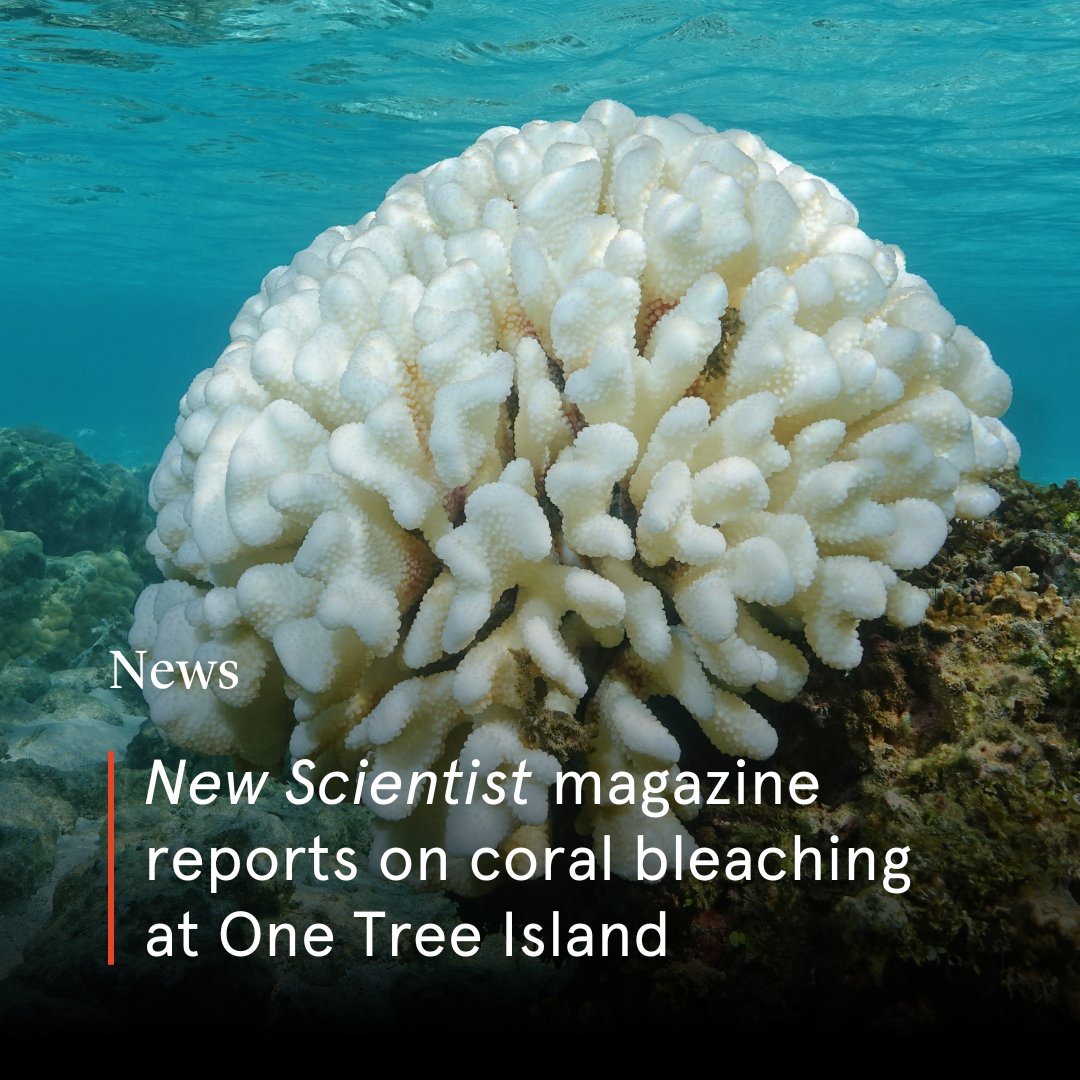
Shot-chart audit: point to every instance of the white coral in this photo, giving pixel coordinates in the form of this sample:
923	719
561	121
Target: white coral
593	413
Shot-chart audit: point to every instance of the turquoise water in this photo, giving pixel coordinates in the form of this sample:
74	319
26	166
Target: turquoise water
157	160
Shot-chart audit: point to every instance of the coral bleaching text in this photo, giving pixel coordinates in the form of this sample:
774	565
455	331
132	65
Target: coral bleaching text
592	415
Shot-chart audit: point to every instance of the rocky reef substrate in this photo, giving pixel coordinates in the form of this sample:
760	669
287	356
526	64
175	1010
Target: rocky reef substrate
72	551
958	739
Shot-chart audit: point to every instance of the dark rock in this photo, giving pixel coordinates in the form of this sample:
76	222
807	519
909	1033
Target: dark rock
21	557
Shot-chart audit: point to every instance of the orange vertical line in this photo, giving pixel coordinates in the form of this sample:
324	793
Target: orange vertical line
112	861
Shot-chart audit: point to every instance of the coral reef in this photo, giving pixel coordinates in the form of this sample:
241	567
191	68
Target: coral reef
72	551
58	610
595	415
959	738
48	486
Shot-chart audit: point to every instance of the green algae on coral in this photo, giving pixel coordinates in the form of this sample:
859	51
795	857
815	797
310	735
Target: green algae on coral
48	486
959	740
72	551
58	610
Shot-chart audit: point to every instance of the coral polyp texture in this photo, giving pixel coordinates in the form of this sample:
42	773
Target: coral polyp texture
592	415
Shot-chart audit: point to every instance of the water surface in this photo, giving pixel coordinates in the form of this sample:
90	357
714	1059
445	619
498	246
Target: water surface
157	159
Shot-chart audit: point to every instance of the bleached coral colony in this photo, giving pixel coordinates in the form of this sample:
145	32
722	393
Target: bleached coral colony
593	414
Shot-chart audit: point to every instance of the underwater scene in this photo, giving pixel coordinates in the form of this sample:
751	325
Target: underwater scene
551	514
